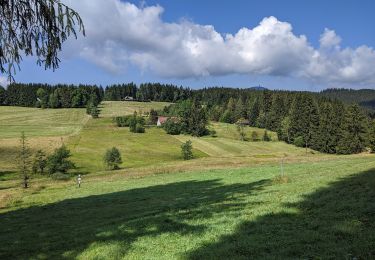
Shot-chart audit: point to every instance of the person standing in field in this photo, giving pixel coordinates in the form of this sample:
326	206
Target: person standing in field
79	179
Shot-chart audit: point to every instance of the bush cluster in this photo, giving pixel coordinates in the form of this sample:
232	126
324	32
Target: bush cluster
172	127
122	121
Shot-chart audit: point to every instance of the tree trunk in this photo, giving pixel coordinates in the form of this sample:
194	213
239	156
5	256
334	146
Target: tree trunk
25	184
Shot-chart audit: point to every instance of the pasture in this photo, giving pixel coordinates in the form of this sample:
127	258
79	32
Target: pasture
121	108
40	122
150	148
45	129
320	210
230	201
230	131
88	139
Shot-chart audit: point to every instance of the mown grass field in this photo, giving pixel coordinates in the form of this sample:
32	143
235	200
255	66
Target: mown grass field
40	122
325	210
228	203
45	129
230	131
119	108
150	148
88	139
229	147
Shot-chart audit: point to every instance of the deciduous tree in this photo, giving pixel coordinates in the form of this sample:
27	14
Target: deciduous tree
112	158
59	161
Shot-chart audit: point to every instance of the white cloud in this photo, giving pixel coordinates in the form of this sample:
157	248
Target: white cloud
329	39
3	81
120	33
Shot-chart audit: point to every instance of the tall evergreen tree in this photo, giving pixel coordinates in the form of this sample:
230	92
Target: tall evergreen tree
326	136
240	110
198	120
2	95
215	113
184	114
229	115
253	113
94	100
276	114
304	119
354	130
372	136
77	98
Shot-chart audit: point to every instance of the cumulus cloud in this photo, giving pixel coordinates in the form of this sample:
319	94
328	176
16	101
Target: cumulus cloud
120	33
4	81
329	39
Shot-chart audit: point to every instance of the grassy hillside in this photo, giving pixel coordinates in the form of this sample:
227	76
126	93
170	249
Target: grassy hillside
152	147
230	202
45	129
320	210
121	108
88	139
227	147
48	128
40	122
227	143
230	131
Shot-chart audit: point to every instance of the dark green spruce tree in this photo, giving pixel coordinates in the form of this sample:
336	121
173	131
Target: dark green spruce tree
240	110
372	136
253	113
198	120
276	114
354	131
326	139
304	119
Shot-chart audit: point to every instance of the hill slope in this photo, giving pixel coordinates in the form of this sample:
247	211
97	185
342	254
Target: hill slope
320	210
234	200
364	97
88	140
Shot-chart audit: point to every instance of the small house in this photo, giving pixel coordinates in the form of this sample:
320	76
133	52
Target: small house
128	98
243	122
163	119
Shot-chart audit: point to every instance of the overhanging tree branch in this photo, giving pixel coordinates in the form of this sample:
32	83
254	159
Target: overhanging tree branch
35	28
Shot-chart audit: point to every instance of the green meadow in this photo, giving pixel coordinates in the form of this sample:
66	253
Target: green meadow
116	108
234	200
150	148
319	210
40	122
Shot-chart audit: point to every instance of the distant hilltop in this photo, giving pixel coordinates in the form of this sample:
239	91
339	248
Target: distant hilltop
364	97
258	88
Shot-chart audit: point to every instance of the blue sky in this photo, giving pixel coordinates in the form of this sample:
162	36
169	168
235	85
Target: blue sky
352	20
121	52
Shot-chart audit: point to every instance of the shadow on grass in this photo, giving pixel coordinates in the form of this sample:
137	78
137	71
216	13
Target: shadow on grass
336	222
67	228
